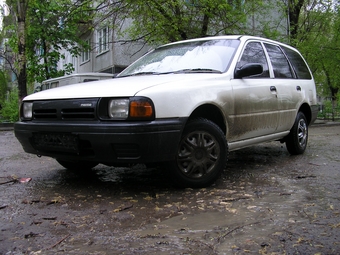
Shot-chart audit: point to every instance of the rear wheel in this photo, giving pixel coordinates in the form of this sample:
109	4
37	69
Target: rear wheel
201	155
296	141
77	165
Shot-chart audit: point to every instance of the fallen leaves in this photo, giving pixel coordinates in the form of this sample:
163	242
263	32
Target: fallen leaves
14	179
31	234
335	225
148	198
55	200
122	208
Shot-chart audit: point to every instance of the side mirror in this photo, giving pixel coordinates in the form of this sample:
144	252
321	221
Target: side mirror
248	70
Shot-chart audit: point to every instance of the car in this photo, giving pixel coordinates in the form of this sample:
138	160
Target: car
183	105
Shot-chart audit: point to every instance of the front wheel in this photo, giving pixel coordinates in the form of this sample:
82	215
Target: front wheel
201	155
296	141
77	165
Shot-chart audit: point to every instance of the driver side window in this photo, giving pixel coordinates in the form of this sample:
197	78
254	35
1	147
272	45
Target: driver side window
254	53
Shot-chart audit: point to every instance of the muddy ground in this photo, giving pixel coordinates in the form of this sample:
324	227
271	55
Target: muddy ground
266	202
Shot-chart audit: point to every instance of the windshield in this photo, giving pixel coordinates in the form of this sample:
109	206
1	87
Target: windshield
198	56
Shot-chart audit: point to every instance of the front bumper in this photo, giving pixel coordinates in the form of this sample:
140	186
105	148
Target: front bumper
103	142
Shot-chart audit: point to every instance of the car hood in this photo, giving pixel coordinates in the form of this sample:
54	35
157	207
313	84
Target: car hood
117	87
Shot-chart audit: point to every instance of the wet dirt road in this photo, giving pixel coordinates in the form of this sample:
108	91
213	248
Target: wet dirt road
266	202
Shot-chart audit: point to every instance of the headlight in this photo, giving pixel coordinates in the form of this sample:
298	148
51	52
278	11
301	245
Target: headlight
27	110
119	108
134	108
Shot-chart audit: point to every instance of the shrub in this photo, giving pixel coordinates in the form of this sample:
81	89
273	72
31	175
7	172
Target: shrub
10	107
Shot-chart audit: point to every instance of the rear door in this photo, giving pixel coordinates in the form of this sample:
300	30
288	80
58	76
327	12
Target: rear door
288	89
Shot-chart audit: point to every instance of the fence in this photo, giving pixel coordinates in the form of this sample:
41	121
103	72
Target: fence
327	112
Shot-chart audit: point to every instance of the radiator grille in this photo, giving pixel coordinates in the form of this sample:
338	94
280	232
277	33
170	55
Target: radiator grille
75	109
45	114
78	113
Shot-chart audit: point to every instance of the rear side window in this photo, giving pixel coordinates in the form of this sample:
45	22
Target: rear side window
254	53
298	63
281	66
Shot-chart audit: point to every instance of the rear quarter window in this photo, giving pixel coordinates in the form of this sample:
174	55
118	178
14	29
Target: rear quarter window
298	64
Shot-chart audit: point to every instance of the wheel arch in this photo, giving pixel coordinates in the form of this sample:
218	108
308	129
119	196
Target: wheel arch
210	112
306	110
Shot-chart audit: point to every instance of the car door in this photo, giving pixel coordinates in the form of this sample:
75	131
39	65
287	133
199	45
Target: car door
255	99
286	85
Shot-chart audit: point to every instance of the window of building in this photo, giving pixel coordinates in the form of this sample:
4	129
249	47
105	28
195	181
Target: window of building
103	40
39	51
85	55
236	4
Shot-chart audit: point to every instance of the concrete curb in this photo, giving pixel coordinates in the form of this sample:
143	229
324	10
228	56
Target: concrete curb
6	126
323	123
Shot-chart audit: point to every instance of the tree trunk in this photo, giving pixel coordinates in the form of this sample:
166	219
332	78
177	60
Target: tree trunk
334	92
205	24
21	73
294	9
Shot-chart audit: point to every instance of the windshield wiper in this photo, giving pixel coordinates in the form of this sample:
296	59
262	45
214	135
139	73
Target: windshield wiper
198	70
193	70
141	73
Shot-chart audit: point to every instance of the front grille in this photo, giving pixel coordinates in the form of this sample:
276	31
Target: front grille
65	110
45	114
78	113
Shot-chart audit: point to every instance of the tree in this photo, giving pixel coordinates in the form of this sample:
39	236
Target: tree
55	25
45	27
294	10
162	21
315	27
327	64
3	87
19	10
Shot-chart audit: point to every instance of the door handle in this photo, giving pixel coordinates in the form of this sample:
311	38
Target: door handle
298	88
272	88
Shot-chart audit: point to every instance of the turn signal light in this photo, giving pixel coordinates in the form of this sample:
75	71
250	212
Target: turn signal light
141	109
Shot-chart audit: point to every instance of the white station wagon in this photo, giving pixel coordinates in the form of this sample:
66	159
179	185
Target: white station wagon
186	103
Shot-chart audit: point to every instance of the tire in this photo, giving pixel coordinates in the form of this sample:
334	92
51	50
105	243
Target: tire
296	141
77	165
201	155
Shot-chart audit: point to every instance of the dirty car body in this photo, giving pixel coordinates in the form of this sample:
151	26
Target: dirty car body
186	103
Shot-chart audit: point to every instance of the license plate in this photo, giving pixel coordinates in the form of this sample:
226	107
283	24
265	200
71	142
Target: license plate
56	142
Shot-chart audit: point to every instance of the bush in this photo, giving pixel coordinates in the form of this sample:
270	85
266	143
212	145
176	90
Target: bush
10	107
